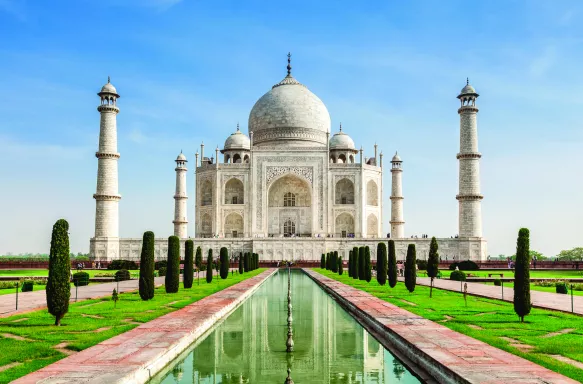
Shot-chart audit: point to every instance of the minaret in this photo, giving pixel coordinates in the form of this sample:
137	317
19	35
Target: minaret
180	198
469	197
105	245
397	222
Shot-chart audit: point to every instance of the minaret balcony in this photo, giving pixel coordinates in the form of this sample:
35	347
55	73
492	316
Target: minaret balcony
469	197
468	109
102	155
100	197
469	155
108	108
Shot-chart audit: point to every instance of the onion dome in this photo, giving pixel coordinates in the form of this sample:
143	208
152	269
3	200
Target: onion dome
237	140
396	158
341	140
289	114
108	89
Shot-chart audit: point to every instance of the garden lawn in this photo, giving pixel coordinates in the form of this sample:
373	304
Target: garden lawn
534	273
45	272
32	340
544	333
542	289
36	287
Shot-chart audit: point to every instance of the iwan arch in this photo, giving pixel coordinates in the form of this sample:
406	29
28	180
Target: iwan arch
289	189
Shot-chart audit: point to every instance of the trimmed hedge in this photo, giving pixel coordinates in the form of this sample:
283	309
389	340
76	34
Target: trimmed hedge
80	279
224	257
340	266
160	264
410	268
367	265
58	287
188	273
122	264
122	275
28	286
147	267
522	303
323	262
172	280
466	265
498	282
209	266
559	288
382	263
392	267
162	271
457	276
361	261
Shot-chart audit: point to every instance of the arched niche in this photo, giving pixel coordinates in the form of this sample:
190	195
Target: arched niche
344	225
372	226
233	225
234	191
206	225
344	192
206	193
372	193
289	205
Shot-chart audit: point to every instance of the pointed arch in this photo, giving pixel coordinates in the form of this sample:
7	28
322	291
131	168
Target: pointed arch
372	193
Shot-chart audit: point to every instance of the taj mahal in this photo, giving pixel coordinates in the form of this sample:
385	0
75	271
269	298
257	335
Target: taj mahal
289	189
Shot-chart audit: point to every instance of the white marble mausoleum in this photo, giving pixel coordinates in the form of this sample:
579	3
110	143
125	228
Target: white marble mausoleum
289	189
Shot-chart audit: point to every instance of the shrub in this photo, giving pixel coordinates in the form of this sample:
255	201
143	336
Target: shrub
172	280
162	271
498	282
382	263
559	288
458	276
410	268
122	264
422	265
335	261
355	262
198	259
340	266
392	267
323	262
188	273
160	264
209	266
350	263
246	262
28	286
224	257
522	304
80	279
432	264
361	270
122	275
367	264
58	287
240	263
147	266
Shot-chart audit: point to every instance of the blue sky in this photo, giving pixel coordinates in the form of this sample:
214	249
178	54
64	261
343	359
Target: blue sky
188	71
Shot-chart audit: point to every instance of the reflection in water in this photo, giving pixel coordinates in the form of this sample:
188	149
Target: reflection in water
250	345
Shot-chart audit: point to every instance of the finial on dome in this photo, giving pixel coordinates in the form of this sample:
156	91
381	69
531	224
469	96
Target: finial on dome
340	127
237	126
108	80
289	64
467	81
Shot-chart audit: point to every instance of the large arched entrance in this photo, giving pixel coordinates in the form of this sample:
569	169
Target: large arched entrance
289	209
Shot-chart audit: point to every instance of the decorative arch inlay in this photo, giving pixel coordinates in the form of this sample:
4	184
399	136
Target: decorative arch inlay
273	173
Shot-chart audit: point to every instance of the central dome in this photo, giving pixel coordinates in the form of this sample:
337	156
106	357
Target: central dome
289	114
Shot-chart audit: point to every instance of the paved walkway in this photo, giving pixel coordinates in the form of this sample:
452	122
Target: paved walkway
546	300
442	352
136	355
28	301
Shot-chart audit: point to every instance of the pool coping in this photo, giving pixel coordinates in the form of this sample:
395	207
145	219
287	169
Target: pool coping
137	355
449	356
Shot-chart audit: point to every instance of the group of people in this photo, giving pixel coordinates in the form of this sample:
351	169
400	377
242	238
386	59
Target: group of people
423	236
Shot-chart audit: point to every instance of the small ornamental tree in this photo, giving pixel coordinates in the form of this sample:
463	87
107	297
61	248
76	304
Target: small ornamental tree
114	297
392	268
323	262
198	258
411	268
335	261
224	255
188	274
361	262
340	266
432	263
382	263
172	279
146	283
327	260
355	262
58	289
246	262
240	263
367	265
522	304
350	263
209	266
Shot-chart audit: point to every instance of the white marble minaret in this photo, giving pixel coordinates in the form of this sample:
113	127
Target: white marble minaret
397	222
469	197
180	198
105	244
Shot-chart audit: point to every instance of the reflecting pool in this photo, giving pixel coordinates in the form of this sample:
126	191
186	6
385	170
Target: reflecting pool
250	345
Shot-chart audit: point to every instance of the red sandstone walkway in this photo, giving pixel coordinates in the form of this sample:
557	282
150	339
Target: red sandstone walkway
135	356
432	345
547	300
28	301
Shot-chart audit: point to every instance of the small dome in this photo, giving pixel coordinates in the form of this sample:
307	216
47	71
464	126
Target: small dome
468	90
108	88
237	140
341	140
181	157
396	158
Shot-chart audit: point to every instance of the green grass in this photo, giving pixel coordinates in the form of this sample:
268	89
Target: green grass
497	318
81	332
36	287
534	273
539	288
45	272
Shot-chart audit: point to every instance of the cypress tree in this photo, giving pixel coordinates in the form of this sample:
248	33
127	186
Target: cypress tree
340	266
432	263
361	260
522	304
240	263
410	268
323	262
328	260
58	289
188	274
224	255
146	283
198	258
246	262
382	263
335	261
392	267
172	279
367	265
350	263
209	266
355	262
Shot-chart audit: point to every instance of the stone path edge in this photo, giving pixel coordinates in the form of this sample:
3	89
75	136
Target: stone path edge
133	368
438	370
